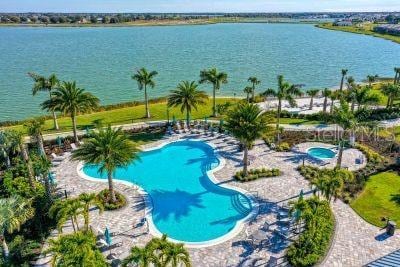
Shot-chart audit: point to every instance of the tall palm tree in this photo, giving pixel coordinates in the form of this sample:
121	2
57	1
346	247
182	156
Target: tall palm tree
286	91
254	81
392	91
14	212
43	84
312	93
88	200
351	94
35	129
187	96
371	79
345	118
326	93
248	90
215	78
344	73
72	100
109	149
247	123
144	79
397	75
335	95
68	209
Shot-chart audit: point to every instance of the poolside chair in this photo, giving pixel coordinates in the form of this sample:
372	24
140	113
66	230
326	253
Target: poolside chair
73	146
57	158
55	163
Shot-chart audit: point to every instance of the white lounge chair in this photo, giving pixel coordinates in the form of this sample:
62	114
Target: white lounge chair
73	146
57	158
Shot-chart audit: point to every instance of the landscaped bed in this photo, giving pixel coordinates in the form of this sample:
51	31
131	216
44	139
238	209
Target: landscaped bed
379	199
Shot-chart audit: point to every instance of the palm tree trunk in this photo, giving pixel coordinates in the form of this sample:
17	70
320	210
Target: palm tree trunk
214	104
28	163
111	188
8	160
278	120
73	118
253	93
388	102
40	144
311	103
76	221
54	115
325	103
187	118
340	156
353	103
248	98
332	106
73	224
341	83
396	77
6	251
245	160
146	102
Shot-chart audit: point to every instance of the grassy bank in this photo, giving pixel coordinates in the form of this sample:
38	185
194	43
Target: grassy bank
366	29
380	198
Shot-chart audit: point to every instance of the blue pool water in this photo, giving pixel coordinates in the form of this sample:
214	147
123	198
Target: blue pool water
187	205
321	153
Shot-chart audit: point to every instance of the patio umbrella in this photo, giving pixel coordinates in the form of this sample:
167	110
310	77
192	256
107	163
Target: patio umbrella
301	195
51	178
59	141
107	236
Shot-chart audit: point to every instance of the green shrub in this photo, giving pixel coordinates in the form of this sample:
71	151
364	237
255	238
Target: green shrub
370	154
22	250
283	147
313	243
255	174
104	196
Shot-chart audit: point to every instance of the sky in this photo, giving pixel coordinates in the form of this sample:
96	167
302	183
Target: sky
197	5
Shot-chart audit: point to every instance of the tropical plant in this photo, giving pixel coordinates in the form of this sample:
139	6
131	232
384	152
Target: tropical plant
326	93
312	93
397	75
158	252
345	118
335	95
71	100
371	79
351	94
215	78
364	96
88	200
188	97
392	91
35	129
247	123
68	209
286	91
145	79
248	91
42	168
330	183
254	81
78	249
43	84
344	73
7	146
109	149
14	212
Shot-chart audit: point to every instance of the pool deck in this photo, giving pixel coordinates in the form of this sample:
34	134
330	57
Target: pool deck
355	244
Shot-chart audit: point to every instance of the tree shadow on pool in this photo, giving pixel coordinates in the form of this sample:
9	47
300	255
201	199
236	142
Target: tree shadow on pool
176	203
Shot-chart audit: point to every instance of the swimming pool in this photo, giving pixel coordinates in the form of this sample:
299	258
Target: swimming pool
321	153
187	205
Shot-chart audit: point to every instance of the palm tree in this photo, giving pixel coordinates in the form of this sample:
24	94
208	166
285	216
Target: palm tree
371	79
248	90
344	73
68	209
326	93
247	123
392	91
35	129
335	95
42	167
78	249
254	81
7	145
142	257
351	95
397	76
215	78
345	118
187	96
176	255
43	84
14	212
72	100
144	79
286	91
312	93
364	96
109	149
88	200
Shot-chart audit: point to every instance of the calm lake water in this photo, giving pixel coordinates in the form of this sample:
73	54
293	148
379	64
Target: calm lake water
102	59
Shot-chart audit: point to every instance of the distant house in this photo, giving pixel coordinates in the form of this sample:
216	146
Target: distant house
99	20
343	23
392	29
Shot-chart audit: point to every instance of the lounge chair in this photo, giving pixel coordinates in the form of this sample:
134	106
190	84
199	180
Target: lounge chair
73	146
57	158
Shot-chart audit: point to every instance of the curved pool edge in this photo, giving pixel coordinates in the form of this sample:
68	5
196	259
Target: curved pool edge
329	148
149	204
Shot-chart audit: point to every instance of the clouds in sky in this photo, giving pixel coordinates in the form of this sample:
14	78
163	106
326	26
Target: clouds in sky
197	5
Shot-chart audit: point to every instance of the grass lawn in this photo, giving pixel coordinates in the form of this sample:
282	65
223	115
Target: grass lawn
296	121
128	115
380	198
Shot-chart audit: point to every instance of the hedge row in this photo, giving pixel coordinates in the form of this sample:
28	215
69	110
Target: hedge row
255	174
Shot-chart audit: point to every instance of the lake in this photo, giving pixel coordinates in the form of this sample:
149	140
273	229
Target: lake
102	60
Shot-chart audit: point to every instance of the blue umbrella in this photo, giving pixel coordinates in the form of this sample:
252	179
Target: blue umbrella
59	141
52	178
107	236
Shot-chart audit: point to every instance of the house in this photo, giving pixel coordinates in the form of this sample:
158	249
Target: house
343	23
